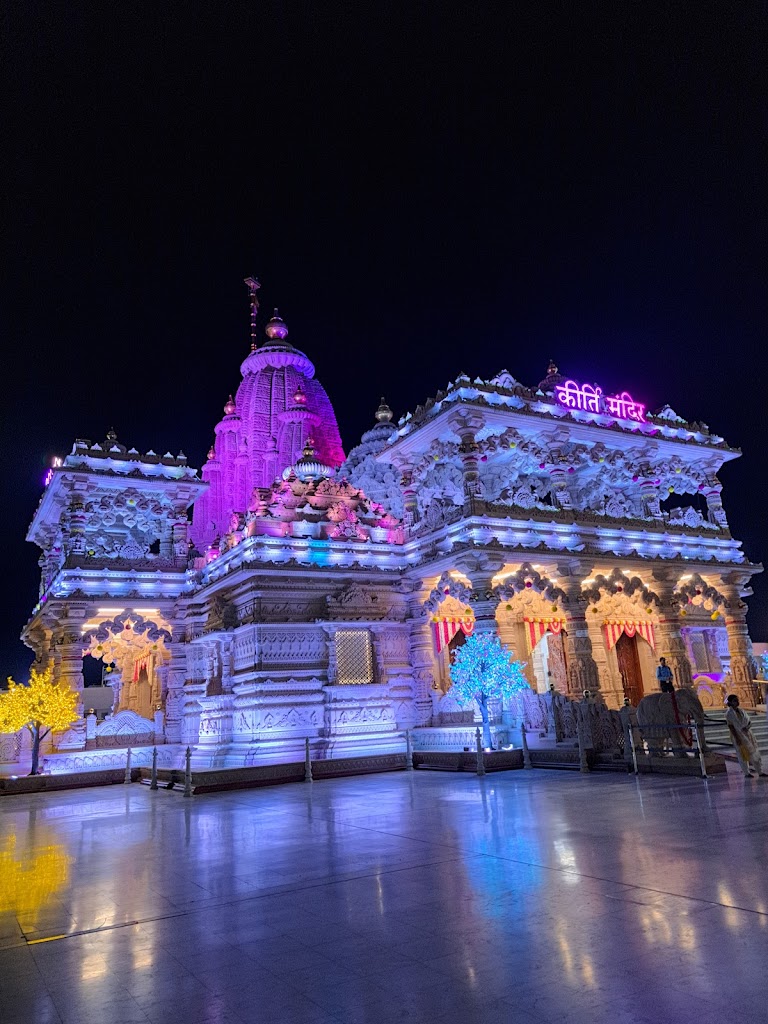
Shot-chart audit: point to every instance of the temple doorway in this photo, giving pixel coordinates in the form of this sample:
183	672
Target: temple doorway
454	644
629	668
549	663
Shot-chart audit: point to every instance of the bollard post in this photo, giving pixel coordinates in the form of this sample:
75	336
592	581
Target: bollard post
631	740
526	751
480	758
128	767
307	761
699	744
408	751
153	783
583	765
188	773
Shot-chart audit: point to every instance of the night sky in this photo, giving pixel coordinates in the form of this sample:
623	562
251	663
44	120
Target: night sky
422	189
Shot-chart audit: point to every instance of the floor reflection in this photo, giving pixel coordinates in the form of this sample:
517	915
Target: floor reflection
434	897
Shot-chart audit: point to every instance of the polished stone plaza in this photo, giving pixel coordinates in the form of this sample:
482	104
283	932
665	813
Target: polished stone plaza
424	897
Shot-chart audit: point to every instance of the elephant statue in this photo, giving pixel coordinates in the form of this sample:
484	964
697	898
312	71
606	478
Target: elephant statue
659	713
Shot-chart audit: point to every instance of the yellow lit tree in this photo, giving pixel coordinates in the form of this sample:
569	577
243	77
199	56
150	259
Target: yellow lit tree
42	706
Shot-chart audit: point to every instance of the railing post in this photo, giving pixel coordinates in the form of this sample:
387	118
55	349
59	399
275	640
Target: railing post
631	740
153	783
526	751
583	764
188	773
307	761
699	744
127	777
408	751
480	758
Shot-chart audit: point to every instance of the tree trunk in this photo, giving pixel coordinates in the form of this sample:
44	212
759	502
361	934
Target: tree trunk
35	730
482	701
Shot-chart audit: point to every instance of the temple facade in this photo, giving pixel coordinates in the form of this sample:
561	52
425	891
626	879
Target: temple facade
291	592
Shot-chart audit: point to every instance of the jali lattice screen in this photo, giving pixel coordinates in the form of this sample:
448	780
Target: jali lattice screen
354	657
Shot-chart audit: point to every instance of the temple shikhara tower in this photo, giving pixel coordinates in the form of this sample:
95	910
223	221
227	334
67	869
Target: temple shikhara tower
290	591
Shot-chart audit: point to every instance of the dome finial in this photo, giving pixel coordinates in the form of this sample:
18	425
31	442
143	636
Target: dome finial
252	283
552	378
230	408
383	413
276	329
299	398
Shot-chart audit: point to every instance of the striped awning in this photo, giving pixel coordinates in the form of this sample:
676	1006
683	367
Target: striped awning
446	629
538	627
613	631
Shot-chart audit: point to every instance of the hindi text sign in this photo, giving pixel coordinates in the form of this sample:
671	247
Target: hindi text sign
590	398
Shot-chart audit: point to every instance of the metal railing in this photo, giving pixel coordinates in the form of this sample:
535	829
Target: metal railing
682	741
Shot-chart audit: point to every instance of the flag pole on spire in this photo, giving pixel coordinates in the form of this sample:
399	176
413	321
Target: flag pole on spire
252	283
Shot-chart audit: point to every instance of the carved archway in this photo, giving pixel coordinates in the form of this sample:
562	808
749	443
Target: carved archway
624	611
137	648
528	579
448	586
619	583
529	611
697	592
448	607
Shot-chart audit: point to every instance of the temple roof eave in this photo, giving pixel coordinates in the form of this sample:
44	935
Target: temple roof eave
533	538
67	481
304	552
413	434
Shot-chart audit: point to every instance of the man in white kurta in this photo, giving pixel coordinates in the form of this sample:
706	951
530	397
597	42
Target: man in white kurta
744	743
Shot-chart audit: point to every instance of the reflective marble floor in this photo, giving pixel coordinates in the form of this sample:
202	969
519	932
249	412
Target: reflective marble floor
420	897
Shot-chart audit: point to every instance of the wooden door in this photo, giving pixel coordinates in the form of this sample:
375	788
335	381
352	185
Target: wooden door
629	668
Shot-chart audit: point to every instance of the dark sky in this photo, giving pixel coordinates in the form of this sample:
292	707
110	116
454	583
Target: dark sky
422	188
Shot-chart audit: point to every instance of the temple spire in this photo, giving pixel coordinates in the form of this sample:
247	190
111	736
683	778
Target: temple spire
252	283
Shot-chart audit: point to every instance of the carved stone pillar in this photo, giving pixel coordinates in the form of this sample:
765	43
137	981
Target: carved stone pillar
713	493
420	645
743	664
558	469
713	655
68	671
75	541
466	424
179	540
410	499
649	496
174	694
670	643
581	669
481	567
559	477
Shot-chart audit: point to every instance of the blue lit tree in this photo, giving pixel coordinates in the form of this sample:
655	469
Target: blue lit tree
483	670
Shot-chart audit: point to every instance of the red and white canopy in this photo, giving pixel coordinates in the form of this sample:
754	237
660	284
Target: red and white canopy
613	631
446	630
538	627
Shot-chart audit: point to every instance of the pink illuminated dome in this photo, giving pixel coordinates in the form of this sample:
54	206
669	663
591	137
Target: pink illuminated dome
277	408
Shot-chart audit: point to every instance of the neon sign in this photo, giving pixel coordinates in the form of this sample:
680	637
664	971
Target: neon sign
590	398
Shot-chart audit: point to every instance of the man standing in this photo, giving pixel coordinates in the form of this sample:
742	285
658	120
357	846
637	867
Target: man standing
744	743
664	677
